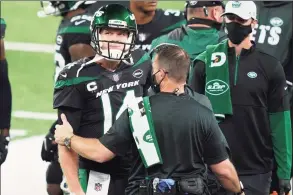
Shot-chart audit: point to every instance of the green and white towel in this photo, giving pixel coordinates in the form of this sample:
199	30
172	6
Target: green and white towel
217	87
143	131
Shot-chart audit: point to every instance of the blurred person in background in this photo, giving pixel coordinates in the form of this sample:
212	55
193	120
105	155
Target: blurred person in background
273	34
204	22
5	97
153	22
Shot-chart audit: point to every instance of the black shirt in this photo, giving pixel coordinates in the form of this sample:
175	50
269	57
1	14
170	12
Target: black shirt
188	135
248	130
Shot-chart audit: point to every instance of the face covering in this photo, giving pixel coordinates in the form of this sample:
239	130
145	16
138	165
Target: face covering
156	85
237	32
208	22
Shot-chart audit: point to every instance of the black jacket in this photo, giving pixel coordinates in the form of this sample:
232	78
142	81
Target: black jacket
273	34
260	109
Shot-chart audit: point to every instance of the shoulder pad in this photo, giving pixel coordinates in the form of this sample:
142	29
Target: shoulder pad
77	24
71	70
140	56
79	20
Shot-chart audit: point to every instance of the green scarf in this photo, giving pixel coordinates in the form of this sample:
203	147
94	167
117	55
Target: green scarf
142	127
217	87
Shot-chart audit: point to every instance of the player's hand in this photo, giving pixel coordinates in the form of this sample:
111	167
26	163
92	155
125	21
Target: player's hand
63	131
284	186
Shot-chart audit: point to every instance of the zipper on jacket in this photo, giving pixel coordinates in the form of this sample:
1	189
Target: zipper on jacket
236	70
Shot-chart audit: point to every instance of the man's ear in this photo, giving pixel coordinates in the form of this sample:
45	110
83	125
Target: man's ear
216	14
254	23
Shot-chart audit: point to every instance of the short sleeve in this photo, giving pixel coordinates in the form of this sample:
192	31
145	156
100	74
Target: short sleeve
119	138
215	146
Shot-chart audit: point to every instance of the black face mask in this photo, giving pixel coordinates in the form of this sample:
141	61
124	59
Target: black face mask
237	32
208	22
156	85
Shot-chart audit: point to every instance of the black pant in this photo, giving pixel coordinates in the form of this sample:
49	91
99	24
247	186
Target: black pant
253	184
117	186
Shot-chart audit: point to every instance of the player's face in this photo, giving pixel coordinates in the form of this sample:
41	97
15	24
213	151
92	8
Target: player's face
146	6
116	35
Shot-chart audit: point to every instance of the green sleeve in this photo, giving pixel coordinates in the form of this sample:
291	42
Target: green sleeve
158	41
280	123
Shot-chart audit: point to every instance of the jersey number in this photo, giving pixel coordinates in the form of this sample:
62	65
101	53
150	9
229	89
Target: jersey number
107	108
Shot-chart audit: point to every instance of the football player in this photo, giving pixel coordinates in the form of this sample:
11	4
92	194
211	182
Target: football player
92	93
5	97
153	22
72	43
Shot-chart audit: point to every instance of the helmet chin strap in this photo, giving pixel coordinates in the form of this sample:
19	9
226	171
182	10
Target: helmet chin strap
114	54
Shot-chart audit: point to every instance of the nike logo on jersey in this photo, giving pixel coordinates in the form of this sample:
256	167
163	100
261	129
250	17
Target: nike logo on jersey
79	22
143	36
285	88
63	75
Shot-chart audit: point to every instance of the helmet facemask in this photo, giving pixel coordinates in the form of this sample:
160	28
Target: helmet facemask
103	47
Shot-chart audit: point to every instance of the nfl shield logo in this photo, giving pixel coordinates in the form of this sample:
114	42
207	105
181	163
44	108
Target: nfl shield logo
115	77
98	187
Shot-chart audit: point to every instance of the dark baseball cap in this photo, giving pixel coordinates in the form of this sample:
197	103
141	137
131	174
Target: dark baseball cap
196	4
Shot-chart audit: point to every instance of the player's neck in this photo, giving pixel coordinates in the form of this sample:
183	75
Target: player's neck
109	64
74	13
245	44
142	17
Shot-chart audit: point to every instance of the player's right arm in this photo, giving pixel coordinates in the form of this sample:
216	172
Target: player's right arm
68	100
68	158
